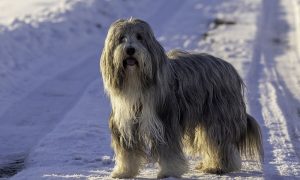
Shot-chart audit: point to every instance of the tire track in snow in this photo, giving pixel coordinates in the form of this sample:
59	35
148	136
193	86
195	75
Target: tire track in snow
269	93
39	112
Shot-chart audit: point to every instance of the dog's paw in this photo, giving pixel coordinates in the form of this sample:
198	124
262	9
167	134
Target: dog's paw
162	175
199	167
213	170
122	175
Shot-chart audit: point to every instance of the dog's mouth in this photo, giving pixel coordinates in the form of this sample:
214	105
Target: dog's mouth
131	61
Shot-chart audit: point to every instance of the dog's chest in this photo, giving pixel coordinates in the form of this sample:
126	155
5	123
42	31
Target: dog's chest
137	121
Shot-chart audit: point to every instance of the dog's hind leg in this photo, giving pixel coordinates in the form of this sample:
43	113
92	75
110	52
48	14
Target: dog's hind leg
222	158
219	154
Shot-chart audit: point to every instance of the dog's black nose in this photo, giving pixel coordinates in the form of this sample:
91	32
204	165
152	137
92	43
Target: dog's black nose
130	51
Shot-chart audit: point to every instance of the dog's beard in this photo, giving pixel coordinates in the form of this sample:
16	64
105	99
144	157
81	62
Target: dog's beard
133	72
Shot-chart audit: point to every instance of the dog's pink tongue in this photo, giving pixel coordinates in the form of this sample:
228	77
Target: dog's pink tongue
131	62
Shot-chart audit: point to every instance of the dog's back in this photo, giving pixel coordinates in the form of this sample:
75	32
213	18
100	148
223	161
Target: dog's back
209	72
208	86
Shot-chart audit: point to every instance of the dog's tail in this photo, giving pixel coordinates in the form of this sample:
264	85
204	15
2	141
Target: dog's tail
251	144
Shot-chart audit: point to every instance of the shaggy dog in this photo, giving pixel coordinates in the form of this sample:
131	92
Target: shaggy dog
163	103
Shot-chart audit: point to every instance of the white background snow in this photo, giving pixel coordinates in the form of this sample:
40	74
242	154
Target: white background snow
54	113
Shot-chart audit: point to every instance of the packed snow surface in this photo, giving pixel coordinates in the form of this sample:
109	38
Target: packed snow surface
54	112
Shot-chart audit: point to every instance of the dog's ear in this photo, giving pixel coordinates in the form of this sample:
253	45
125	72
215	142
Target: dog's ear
157	52
106	62
111	75
109	44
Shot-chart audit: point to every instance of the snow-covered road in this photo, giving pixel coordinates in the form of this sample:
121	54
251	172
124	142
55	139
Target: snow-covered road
274	97
54	113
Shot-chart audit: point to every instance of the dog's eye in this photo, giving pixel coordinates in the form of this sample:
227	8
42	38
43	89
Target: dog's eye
122	39
139	37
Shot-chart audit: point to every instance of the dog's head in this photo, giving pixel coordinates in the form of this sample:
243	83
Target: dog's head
131	54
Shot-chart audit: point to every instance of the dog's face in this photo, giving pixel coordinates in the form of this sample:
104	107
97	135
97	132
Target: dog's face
130	50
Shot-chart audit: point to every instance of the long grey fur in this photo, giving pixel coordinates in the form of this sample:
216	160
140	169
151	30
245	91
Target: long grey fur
166	103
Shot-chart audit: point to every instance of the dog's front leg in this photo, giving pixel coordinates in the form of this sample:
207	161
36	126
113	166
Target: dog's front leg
171	161
127	159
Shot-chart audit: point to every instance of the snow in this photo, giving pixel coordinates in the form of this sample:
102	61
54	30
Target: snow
11	10
54	113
